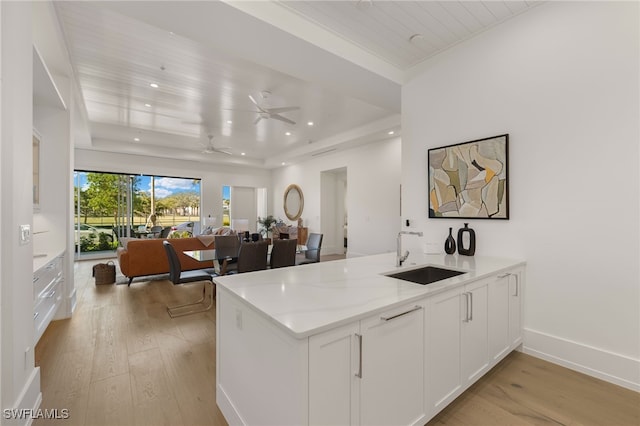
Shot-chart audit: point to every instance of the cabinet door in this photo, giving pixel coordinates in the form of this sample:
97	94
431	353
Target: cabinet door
392	379
333	387
515	308
443	349
499	300
475	341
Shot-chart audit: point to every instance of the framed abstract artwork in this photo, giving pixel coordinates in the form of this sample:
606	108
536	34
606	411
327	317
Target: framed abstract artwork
470	180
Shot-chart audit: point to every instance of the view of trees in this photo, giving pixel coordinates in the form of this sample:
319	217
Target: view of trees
105	194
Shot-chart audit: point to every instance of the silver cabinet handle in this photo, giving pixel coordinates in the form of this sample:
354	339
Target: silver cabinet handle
35	279
517	285
359	373
51	294
415	308
36	315
467	305
470	306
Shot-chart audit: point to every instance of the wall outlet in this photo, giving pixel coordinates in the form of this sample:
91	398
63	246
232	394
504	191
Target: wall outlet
25	234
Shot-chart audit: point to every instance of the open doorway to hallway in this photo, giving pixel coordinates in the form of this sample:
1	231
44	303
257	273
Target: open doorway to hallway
333	211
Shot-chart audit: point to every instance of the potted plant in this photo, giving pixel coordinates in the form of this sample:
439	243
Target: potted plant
266	225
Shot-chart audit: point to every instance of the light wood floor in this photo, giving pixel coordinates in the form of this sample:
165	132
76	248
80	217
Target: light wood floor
122	361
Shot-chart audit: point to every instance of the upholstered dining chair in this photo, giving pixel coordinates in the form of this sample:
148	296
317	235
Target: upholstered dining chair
227	248
283	253
252	256
177	276
312	255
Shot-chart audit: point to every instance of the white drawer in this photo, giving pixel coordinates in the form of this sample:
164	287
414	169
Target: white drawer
45	306
45	276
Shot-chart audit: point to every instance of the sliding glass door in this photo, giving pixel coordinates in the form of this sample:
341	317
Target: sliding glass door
110	206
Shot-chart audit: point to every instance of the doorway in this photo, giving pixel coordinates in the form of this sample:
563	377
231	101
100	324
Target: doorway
333	211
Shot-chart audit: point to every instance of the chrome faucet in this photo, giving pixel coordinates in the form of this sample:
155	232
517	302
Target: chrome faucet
400	258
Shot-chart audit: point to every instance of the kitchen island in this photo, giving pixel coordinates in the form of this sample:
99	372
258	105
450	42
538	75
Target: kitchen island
342	343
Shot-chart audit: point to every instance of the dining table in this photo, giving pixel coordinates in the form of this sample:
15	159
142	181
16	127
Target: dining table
217	257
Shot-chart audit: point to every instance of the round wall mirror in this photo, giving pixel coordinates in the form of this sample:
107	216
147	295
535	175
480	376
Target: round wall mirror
293	202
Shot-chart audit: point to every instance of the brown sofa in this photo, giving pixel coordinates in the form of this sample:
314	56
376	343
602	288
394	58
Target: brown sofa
146	256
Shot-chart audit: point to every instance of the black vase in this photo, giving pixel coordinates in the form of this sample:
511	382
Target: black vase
471	249
450	243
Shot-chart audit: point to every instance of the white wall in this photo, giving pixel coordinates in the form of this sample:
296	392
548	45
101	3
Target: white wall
373	180
19	383
562	80
214	177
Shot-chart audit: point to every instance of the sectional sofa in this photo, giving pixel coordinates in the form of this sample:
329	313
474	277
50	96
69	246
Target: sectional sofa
146	256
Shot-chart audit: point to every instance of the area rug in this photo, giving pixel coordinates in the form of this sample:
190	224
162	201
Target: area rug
121	279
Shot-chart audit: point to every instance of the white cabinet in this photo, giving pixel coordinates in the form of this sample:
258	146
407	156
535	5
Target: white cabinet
516	288
499	299
474	334
470	329
48	287
334	357
442	359
370	372
457	345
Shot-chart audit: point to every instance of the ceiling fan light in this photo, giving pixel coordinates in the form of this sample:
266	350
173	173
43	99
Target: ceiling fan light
310	123
154	85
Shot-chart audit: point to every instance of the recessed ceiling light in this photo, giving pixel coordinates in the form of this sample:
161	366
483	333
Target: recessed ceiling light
288	133
391	132
310	123
154	85
242	153
283	163
136	139
172	33
147	105
229	122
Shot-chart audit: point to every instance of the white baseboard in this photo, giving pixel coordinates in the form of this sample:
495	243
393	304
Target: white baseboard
227	408
608	366
27	403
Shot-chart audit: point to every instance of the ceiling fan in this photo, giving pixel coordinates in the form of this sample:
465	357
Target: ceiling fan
210	148
274	113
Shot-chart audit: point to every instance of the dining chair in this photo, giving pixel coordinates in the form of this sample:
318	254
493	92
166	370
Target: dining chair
252	256
165	232
177	277
283	253
312	254
227	248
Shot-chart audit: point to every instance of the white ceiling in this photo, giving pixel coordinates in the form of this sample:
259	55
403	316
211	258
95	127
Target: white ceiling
207	57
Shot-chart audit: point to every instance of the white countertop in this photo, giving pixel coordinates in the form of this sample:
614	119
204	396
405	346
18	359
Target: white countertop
308	299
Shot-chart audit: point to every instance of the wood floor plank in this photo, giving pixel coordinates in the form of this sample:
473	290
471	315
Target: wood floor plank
110	402
73	369
140	337
153	397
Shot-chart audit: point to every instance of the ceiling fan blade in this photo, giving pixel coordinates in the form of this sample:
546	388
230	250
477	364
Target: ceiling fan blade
222	150
281	118
257	119
283	109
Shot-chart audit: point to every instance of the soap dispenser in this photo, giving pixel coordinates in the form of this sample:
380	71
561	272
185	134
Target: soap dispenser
466	234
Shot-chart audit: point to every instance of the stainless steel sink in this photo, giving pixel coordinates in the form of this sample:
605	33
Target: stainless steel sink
426	275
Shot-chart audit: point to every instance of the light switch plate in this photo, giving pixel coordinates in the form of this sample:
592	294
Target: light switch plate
25	234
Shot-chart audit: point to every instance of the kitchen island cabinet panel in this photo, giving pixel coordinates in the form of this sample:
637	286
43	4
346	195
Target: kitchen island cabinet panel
333	384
